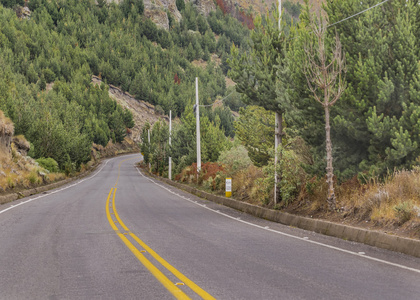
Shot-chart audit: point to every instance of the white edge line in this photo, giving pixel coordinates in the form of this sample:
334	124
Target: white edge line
56	191
286	234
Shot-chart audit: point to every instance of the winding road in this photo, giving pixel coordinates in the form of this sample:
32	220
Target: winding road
118	234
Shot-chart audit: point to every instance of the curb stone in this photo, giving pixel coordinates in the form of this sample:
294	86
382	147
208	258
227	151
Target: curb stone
345	232
43	188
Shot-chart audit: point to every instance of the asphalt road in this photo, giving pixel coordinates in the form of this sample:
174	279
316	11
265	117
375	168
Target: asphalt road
120	235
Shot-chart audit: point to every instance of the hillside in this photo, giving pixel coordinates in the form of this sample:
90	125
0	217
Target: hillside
143	112
263	6
64	43
17	170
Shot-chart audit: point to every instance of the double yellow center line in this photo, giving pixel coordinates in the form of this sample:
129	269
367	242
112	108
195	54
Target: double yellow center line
115	222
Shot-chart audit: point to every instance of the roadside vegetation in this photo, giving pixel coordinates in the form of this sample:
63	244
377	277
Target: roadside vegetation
17	170
373	122
368	136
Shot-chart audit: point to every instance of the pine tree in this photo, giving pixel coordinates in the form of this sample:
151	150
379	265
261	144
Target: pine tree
256	73
382	52
325	75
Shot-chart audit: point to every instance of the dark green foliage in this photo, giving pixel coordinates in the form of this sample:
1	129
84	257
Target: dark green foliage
225	24
374	127
292	8
380	110
255	72
180	4
224	115
213	140
233	100
157	151
255	129
65	42
12	3
132	6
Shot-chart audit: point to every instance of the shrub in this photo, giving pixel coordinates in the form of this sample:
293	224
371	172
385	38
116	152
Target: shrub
159	110
48	163
10	182
33	177
235	159
404	212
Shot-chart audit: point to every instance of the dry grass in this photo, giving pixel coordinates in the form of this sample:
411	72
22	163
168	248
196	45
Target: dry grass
13	177
392	202
245	185
16	170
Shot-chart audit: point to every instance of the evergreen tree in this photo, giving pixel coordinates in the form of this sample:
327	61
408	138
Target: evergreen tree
325	75
180	4
382	51
255	129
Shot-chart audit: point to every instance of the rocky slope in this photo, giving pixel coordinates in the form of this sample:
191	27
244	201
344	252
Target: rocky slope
143	112
156	9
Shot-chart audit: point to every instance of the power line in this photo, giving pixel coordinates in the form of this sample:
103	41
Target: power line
345	19
359	13
352	16
217	101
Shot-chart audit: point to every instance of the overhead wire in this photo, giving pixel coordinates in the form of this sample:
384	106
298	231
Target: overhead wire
359	13
338	22
217	101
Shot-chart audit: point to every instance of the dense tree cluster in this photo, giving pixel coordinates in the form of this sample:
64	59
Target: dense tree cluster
184	142
64	43
375	124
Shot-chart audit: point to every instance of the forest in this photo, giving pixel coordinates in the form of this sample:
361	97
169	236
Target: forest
47	62
373	128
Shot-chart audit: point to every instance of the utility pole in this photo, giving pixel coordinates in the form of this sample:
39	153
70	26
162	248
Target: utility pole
170	143
197	114
278	131
148	138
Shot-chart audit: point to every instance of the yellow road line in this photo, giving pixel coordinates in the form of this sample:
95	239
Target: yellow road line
155	271
169	285
199	291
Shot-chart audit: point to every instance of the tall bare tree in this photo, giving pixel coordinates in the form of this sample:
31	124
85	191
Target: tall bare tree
325	71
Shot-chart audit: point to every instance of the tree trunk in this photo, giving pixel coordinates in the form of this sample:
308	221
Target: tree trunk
331	196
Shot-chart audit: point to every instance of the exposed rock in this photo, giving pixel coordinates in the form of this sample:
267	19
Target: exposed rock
111	149
157	10
22	145
6	133
158	16
204	6
143	112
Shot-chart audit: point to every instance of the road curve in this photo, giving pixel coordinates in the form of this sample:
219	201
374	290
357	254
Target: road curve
118	234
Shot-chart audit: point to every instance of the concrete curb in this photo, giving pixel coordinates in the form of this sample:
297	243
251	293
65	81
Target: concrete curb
368	237
43	188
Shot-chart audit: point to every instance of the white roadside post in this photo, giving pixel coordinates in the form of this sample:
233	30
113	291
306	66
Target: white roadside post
170	143
228	187
197	114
